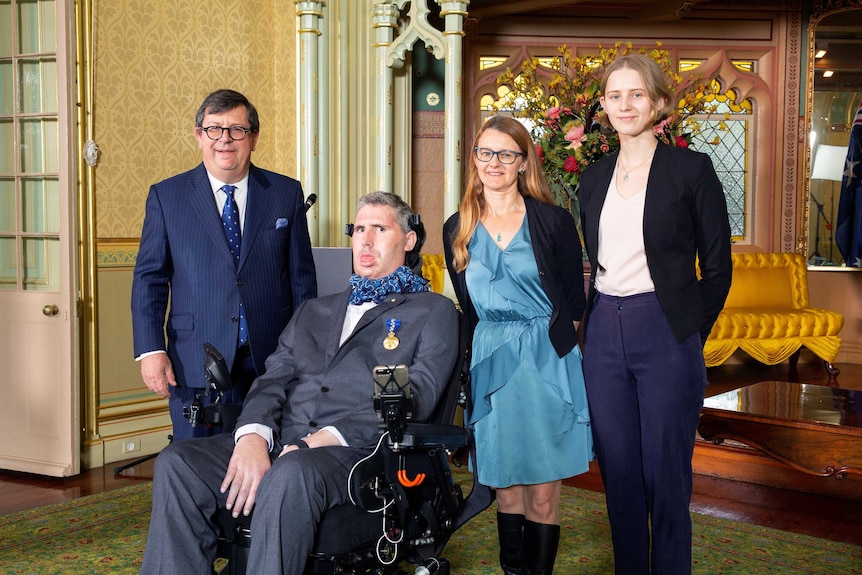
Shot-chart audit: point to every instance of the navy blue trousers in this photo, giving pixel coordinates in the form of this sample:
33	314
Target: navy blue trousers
645	392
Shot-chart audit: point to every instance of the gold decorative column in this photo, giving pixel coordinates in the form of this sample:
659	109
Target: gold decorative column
87	264
310	14
454	12
384	20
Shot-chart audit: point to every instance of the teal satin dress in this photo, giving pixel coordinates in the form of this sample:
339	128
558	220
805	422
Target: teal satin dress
529	411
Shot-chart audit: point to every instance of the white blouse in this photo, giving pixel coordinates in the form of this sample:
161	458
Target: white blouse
622	259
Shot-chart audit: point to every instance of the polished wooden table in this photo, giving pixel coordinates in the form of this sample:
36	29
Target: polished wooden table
815	429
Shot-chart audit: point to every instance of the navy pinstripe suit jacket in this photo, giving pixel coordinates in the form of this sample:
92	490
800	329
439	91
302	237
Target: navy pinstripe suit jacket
184	269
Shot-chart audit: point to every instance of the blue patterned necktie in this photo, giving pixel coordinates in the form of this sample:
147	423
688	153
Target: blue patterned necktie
230	221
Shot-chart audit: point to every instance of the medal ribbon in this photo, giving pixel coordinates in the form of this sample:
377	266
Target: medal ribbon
393	324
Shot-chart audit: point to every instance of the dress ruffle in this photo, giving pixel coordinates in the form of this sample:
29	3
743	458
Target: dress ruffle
524	394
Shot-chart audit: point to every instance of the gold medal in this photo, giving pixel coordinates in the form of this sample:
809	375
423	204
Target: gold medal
391	342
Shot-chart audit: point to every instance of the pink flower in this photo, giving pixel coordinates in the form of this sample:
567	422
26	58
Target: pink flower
680	141
571	164
659	128
576	134
553	113
540	152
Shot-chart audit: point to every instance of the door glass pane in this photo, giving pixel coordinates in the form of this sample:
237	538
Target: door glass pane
7	205
6	26
29	146
41	264
7	148
36	32
39	139
8	264
37	79
5	87
40	199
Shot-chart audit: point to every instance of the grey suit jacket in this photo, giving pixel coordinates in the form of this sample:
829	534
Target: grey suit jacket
311	382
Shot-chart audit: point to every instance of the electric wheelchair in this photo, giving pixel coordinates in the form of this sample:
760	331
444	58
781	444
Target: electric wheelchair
405	502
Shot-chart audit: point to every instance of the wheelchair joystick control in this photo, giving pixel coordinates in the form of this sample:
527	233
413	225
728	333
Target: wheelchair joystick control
392	399
216	413
429	567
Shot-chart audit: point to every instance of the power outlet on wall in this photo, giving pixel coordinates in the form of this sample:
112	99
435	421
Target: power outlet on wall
131	445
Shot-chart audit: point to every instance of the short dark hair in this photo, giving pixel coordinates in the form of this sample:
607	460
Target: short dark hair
408	220
224	101
403	212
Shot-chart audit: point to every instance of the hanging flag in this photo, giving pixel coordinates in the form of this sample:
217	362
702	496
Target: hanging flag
848	231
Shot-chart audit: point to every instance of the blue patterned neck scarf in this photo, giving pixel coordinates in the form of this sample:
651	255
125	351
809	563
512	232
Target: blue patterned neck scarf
402	280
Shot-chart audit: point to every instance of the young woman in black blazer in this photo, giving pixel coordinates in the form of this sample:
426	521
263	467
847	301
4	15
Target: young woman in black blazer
651	213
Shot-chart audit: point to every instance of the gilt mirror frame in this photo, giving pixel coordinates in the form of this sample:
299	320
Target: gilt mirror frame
821	9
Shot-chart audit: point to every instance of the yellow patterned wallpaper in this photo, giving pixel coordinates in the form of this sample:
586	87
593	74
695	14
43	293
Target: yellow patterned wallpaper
155	61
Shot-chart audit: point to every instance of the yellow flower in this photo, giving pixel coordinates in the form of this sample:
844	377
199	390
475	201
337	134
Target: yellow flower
564	109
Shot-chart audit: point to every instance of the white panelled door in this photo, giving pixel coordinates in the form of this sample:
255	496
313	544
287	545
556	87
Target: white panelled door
39	419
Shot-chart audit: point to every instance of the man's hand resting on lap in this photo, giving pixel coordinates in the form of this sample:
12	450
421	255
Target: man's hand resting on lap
247	466
320	438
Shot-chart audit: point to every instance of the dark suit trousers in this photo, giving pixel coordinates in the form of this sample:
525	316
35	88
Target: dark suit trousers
290	500
645	392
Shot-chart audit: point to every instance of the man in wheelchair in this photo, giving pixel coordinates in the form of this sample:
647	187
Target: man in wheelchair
307	422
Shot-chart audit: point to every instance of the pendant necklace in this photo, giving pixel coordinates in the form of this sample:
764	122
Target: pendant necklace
627	172
499	238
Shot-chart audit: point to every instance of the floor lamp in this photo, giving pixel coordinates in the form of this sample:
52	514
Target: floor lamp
828	165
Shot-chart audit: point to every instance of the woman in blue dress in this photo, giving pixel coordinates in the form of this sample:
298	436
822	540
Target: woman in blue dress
516	265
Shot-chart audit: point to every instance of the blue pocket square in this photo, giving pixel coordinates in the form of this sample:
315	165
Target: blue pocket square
280	223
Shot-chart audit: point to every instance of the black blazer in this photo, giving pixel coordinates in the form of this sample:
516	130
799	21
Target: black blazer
559	257
685	225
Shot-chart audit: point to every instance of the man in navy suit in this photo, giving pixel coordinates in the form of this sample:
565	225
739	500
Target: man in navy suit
225	254
310	418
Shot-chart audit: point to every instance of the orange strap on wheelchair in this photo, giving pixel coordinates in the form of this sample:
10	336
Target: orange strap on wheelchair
402	479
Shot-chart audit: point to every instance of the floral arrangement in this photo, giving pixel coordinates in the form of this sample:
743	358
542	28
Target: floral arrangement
564	110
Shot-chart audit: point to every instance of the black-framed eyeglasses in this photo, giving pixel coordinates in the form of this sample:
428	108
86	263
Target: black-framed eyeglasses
505	156
216	132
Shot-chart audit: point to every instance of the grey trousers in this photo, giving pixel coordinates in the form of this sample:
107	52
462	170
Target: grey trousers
290	500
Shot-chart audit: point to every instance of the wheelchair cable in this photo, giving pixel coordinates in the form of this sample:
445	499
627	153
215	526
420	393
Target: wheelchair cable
394	544
357	464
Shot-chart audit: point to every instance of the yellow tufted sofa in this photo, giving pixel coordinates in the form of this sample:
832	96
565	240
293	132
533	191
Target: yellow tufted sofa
767	314
434	270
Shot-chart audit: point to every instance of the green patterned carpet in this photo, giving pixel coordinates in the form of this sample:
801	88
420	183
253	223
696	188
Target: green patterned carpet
106	533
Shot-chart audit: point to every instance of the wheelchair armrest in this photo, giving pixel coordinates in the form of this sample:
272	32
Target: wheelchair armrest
431	436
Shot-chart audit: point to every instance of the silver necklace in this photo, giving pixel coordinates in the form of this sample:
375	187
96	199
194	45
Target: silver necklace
627	172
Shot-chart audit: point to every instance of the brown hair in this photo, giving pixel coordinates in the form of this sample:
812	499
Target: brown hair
654	81
222	101
531	183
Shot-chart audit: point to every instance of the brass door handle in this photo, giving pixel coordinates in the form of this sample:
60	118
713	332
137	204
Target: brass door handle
50	310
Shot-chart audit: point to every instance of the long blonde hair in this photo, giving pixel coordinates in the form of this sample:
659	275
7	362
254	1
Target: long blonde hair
531	183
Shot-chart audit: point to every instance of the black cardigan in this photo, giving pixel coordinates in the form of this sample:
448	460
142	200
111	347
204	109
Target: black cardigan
559	257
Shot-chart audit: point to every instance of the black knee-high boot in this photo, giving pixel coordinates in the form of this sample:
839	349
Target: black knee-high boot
510	529
540	547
